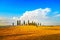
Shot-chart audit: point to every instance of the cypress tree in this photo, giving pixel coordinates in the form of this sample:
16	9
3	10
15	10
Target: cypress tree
24	22
13	23
40	24
18	22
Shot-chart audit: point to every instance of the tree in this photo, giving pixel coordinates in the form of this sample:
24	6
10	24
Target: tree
13	23
40	24
32	22
24	22
18	22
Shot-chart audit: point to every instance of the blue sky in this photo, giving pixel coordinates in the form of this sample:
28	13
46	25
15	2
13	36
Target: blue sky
47	11
18	7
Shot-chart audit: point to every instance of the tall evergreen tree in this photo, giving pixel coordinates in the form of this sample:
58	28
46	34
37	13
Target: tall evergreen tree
13	23
24	22
40	24
18	22
32	22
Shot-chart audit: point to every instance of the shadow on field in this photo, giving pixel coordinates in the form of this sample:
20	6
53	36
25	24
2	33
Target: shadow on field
15	37
49	37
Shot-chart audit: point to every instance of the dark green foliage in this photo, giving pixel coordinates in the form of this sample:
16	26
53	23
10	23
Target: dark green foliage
13	23
24	22
18	22
40	24
32	23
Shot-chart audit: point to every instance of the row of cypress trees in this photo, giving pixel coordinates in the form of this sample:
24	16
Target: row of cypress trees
24	23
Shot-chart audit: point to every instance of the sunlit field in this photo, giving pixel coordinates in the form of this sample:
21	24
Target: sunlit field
30	32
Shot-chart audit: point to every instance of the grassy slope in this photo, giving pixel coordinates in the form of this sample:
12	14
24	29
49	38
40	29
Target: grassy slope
30	33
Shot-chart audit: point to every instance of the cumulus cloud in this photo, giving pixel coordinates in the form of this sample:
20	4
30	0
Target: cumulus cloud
39	15
15	18
34	14
58	15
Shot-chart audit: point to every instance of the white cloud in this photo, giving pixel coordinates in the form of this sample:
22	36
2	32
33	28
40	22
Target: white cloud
58	15
15	18
38	15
